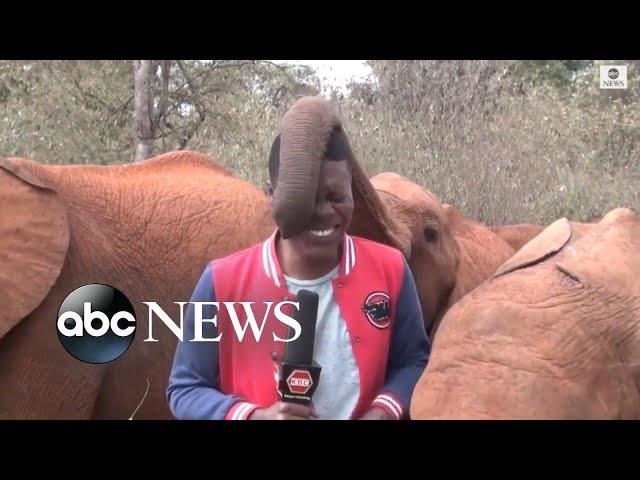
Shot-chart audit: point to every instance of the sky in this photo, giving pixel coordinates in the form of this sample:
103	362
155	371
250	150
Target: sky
336	73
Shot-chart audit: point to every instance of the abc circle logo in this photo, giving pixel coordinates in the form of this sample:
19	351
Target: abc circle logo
96	323
613	73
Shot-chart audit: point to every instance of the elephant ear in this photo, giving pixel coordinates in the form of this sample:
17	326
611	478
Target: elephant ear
550	241
608	257
371	218
34	238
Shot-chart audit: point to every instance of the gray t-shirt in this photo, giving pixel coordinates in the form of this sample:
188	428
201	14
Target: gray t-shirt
339	386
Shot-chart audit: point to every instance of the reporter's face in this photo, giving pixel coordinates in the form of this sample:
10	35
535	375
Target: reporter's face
331	217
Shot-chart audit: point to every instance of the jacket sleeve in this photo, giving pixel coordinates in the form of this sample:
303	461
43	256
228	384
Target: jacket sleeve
409	352
193	391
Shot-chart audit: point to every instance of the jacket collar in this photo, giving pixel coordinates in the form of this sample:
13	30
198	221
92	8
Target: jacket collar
271	265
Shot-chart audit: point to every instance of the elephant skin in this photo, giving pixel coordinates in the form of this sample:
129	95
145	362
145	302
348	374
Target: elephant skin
554	334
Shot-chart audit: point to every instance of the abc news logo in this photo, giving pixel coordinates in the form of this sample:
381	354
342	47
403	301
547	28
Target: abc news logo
613	76
97	323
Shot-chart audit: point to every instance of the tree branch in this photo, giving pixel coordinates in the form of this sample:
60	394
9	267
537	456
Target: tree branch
197	105
209	70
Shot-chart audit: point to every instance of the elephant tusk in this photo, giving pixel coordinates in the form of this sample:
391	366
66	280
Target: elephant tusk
140	404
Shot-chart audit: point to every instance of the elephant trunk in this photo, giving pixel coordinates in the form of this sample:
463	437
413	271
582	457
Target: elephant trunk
305	131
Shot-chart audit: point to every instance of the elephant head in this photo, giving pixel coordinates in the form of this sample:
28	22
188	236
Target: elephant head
433	253
147	229
553	334
449	254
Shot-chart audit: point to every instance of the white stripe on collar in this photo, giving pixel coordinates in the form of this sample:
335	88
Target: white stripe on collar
274	272
350	260
353	251
347	254
265	247
270	268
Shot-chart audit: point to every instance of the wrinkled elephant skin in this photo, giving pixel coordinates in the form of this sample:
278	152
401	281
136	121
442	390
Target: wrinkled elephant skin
554	334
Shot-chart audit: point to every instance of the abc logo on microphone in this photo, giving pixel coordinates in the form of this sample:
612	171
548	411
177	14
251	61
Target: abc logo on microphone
96	323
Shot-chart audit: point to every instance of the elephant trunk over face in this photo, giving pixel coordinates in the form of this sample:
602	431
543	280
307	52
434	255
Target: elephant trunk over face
305	131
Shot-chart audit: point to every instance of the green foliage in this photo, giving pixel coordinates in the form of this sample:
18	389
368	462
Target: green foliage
66	111
82	111
501	153
559	73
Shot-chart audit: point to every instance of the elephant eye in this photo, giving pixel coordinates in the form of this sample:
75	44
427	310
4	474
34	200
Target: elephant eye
430	234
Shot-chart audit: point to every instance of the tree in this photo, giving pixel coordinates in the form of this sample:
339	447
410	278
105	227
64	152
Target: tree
67	111
149	111
87	111
561	74
143	132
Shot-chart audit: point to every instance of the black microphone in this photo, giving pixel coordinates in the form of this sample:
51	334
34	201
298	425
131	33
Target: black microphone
301	349
298	373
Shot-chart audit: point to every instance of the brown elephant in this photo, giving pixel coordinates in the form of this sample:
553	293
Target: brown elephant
147	229
554	334
449	254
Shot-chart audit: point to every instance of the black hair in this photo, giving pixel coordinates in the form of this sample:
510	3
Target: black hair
337	149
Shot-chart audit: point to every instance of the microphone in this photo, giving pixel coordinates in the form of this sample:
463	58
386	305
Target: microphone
298	374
